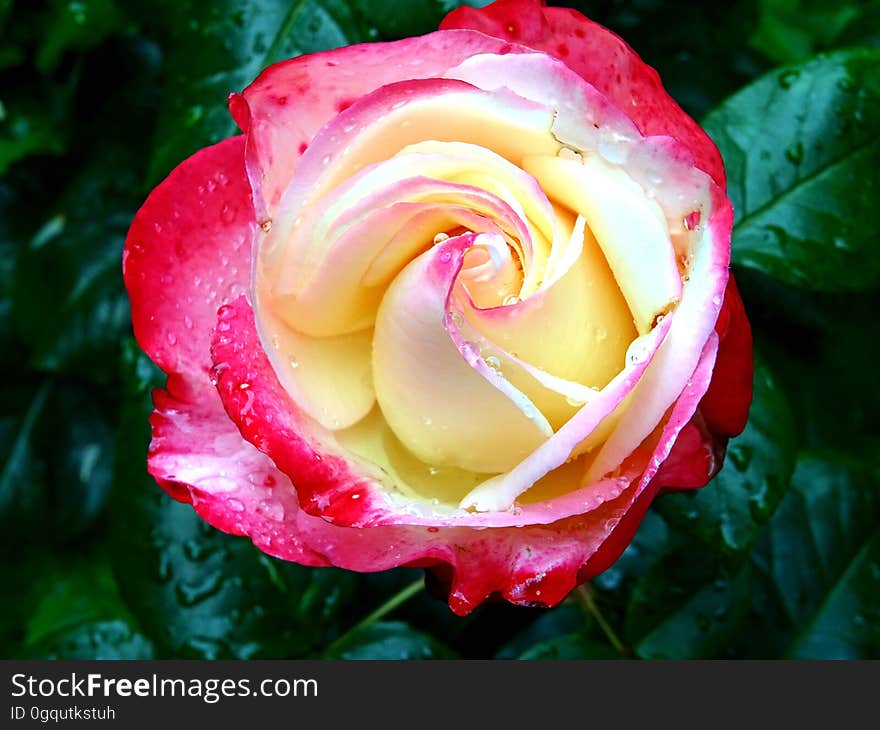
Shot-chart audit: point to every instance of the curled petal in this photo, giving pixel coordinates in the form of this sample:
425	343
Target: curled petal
427	376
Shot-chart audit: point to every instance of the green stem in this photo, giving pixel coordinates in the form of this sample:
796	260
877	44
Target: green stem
402	596
585	595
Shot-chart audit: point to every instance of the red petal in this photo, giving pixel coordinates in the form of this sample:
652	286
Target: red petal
603	59
197	455
188	252
726	404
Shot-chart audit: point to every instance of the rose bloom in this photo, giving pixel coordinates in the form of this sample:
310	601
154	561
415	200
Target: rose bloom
459	302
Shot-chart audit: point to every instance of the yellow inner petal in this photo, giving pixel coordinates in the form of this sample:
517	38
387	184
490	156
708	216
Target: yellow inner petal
578	265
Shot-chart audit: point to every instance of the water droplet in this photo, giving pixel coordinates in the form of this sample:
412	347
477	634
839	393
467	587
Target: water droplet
187	322
511	299
235	505
576	402
841	243
440	237
446	256
493	362
426	421
787	78
794	153
294	363
637	352
227	213
457	319
172	339
190	593
266	225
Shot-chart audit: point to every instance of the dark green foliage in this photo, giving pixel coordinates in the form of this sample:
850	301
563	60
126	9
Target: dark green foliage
779	557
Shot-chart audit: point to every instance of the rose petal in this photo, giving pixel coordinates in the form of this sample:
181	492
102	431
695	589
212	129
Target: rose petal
499	492
695	318
198	455
187	253
282	110
603	59
630	229
726	404
425	380
328	476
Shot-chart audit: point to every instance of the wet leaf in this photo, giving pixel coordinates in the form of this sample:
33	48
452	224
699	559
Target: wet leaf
803	164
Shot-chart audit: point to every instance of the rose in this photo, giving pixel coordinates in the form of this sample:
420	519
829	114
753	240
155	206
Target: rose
460	301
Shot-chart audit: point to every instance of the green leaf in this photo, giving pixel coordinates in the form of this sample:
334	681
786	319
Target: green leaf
815	558
94	640
564	632
803	160
76	25
23	497
689	605
73	591
79	433
571	646
57	461
847	626
31	126
66	607
69	302
836	412
728	513
864	28
807	588
794	30
648	545
198	592
218	48
389	640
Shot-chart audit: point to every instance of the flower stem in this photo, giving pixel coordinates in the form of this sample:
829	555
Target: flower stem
585	595
399	598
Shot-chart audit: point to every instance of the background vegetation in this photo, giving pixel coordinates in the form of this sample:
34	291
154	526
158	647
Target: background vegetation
780	556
